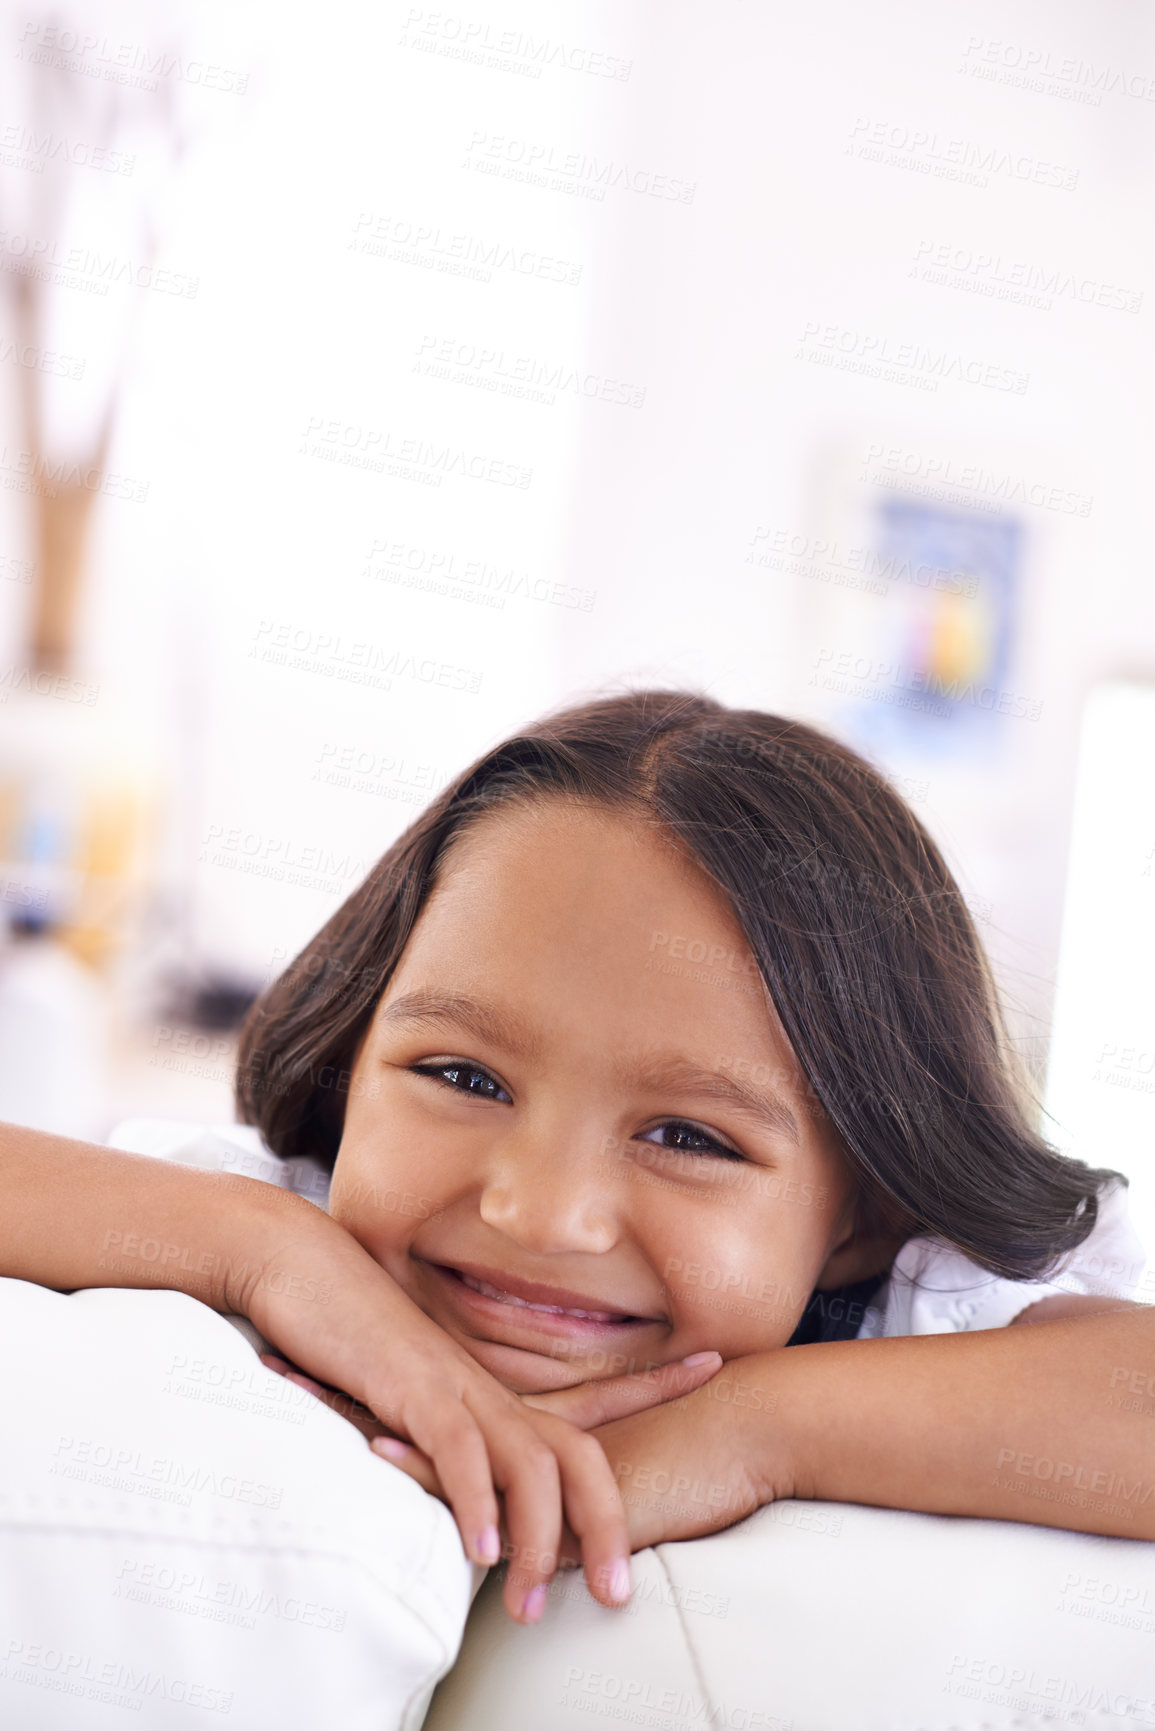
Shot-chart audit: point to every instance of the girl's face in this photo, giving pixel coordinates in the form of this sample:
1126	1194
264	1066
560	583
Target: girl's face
576	1134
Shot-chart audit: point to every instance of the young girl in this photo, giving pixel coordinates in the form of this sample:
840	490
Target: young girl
663	1034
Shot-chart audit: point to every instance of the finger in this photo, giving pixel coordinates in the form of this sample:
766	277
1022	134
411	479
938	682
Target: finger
343	1404
303	1381
411	1461
571	1549
283	1368
272	1362
569	1555
358	1416
527	1472
591	1404
595	1513
453	1442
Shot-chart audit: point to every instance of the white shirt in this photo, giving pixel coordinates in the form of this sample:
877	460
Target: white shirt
932	1287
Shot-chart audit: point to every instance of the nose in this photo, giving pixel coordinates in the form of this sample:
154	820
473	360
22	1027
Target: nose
550	1193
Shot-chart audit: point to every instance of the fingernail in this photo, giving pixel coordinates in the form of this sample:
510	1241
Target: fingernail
534	1603
489	1545
620	1580
390	1446
697	1358
305	1382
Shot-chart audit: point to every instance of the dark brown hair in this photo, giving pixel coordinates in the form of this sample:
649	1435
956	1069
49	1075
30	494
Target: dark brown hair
860	932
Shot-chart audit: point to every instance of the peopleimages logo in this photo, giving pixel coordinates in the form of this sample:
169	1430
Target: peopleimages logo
539	163
828	559
880	356
1034	68
69	1672
520	376
932	474
1002	277
209	1595
457	253
889	682
383	451
925	151
445	571
135	64
507	50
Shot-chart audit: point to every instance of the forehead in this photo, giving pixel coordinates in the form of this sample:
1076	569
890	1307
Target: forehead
593	926
581	867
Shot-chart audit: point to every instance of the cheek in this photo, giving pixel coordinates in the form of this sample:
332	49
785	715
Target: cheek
742	1270
382	1202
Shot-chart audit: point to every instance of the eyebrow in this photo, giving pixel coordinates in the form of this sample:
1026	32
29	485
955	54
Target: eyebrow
680	1076
485	1020
660	1074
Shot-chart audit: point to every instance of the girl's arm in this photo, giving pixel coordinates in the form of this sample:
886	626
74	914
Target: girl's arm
1049	1423
1052	1424
74	1215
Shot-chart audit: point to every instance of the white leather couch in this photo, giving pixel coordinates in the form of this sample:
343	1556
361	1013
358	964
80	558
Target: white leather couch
824	1617
186	1536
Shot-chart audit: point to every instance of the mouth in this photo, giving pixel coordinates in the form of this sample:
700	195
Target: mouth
528	1303
496	1292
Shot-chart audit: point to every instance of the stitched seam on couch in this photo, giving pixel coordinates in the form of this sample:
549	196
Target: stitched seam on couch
251	1549
699	1674
67	1516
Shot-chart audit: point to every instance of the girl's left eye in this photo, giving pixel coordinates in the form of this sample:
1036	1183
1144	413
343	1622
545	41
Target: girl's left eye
690	1140
465	1078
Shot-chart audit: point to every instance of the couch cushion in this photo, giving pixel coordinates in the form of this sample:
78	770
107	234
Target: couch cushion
183	1533
824	1617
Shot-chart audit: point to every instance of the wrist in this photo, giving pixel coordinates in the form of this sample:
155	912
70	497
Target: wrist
319	1296
789	1422
273	1241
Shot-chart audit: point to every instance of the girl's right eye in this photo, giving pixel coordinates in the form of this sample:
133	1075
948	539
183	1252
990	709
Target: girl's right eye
465	1078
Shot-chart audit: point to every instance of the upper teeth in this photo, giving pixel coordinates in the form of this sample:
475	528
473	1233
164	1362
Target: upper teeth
488	1291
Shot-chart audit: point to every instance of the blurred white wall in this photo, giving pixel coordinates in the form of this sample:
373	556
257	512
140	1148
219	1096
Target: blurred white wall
1101	1069
505	341
359	555
828	227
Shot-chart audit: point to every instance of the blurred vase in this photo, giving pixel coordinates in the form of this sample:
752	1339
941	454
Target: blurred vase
53	1019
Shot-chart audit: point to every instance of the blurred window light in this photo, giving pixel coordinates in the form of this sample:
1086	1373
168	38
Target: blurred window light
1100	1093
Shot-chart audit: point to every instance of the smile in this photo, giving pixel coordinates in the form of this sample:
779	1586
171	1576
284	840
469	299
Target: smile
552	1308
488	1291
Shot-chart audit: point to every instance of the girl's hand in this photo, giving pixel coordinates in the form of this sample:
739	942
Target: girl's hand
590	1404
586	1405
697	1464
322	1300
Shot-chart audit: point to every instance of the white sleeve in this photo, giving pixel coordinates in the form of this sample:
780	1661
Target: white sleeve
235	1148
934	1289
